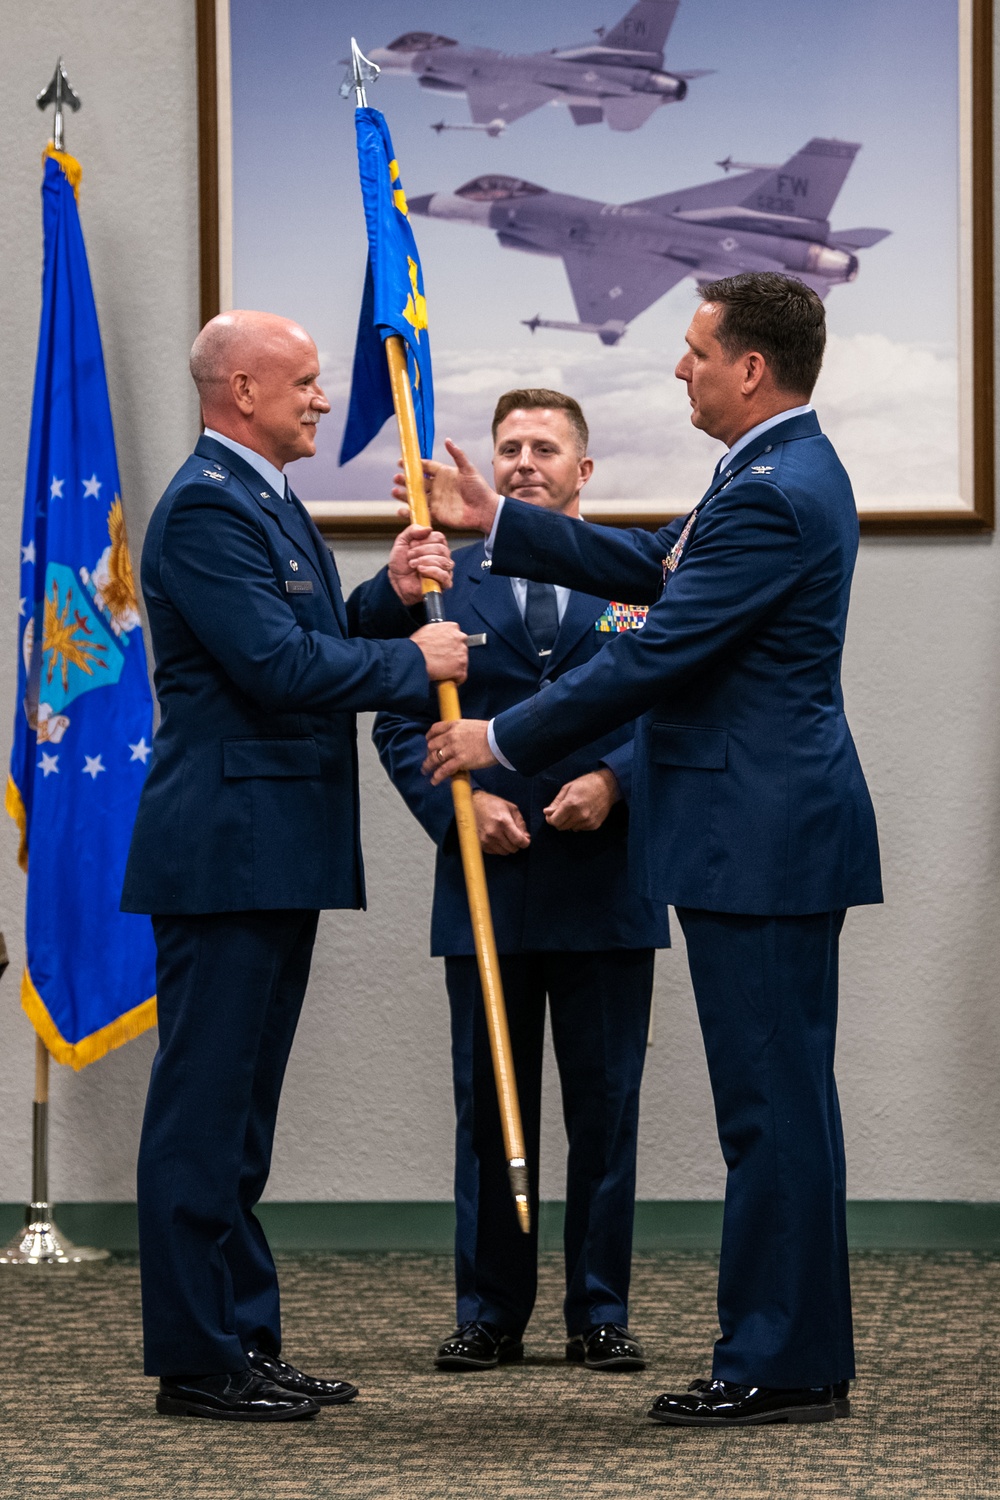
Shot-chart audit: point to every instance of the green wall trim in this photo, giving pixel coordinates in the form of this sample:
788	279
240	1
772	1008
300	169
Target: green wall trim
659	1225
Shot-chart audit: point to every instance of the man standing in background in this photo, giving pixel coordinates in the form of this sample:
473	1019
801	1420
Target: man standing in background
568	930
248	825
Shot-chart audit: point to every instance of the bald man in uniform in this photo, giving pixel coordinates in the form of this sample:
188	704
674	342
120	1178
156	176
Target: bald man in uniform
248	825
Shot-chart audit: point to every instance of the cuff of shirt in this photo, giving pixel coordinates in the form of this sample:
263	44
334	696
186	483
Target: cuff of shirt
491	540
493	743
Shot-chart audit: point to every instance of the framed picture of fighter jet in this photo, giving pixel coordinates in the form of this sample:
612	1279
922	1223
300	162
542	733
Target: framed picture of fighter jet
574	169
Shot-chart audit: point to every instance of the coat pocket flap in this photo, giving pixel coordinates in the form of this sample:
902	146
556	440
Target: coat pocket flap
688	745
243	758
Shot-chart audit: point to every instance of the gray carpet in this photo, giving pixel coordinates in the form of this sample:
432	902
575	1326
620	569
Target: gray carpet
77	1419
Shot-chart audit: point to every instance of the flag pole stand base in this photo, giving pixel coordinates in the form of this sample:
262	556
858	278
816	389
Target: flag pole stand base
42	1243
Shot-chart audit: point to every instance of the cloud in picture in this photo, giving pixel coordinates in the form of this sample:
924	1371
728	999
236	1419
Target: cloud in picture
888	407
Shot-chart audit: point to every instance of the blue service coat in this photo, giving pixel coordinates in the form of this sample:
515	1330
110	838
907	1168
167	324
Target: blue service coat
747	792
252	796
568	891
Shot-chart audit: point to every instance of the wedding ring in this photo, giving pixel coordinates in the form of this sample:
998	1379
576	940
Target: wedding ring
440	755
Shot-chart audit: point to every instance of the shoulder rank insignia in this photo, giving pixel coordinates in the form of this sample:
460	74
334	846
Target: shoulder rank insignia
762	468
618	617
213	474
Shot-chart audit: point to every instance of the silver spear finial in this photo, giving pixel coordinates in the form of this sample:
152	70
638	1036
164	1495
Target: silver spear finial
358	74
61	95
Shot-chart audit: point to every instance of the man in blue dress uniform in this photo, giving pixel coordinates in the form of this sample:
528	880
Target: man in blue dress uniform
567	928
750	812
247	826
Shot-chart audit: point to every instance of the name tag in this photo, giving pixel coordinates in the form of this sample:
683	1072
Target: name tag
298	586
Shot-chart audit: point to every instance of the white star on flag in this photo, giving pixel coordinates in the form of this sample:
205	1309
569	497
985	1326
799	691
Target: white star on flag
55	489
28	553
48	764
141	750
93	768
92	486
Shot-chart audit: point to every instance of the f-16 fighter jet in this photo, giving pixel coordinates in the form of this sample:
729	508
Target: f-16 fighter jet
622	257
618	78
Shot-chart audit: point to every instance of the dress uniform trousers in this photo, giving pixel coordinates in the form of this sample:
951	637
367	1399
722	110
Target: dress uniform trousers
230	988
599	1011
766	992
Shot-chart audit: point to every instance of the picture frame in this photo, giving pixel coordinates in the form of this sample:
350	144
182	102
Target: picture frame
970	512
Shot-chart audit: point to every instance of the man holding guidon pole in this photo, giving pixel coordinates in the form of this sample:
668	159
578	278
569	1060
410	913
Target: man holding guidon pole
750	811
248	824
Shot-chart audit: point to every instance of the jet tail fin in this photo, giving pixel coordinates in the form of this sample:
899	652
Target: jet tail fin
806	186
644	28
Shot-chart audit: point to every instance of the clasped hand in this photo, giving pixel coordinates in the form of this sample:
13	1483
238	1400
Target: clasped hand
580	806
418	552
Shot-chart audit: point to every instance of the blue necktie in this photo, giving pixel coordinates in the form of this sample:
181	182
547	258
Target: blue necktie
541	616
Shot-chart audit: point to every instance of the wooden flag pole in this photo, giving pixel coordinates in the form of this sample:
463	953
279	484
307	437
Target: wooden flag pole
465	817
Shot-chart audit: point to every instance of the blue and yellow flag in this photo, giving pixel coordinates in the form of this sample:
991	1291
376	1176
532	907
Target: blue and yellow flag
393	299
84	716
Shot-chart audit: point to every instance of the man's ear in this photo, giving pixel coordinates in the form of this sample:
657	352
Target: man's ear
586	469
754	370
242	386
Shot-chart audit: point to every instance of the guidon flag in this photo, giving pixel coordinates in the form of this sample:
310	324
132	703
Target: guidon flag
393	299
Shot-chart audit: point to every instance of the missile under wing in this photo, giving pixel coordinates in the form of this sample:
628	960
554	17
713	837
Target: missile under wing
619	78
622	257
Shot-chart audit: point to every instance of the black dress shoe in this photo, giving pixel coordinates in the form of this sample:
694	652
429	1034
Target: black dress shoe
478	1346
325	1392
606	1346
720	1403
841	1395
240	1396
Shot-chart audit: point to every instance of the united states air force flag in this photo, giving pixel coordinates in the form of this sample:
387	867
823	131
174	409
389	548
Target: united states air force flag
393	299
83	719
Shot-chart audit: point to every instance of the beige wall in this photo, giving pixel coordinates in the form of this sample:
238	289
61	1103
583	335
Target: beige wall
367	1110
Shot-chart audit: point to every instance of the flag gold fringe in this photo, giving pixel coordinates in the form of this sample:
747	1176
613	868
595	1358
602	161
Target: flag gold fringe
14	804
78	1054
71	167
